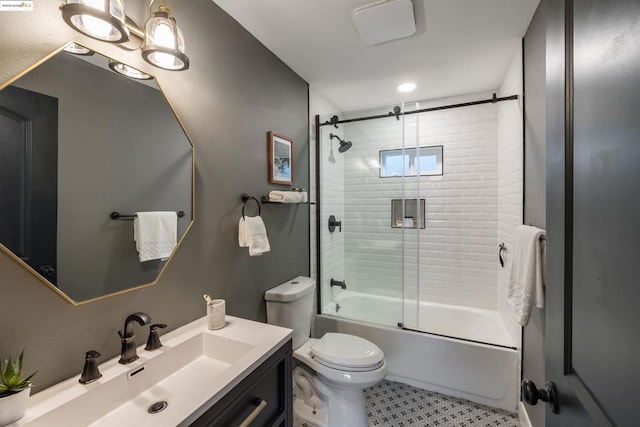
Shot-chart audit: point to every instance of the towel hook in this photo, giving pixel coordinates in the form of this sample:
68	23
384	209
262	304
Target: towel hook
245	198
503	249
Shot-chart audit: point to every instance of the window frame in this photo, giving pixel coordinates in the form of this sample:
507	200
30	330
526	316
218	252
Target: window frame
412	153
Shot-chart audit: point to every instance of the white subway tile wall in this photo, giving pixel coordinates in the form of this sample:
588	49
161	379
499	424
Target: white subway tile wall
331	203
510	171
455	260
318	104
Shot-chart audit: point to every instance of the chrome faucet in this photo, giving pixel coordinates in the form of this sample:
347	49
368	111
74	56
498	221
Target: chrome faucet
128	339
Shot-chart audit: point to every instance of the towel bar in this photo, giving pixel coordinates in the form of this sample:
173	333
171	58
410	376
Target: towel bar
542	237
117	215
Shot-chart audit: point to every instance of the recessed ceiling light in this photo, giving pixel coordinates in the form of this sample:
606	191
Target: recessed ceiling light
406	87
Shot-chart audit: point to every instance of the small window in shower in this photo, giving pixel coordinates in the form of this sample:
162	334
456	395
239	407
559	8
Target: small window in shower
407	162
409	218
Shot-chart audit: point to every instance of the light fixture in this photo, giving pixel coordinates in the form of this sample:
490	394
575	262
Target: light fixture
99	19
105	20
407	87
163	44
76	49
128	71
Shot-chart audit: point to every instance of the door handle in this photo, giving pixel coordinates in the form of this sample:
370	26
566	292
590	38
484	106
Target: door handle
549	394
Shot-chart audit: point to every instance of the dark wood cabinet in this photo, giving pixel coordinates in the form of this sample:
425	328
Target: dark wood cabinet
264	396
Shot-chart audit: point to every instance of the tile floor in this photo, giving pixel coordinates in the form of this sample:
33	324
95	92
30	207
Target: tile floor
392	404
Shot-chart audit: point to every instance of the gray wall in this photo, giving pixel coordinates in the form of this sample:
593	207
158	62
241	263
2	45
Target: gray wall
533	357
120	149
235	91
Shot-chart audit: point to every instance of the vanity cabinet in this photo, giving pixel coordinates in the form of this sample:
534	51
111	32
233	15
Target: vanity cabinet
265	396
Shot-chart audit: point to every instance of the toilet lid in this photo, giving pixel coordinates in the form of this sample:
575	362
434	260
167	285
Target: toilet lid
347	351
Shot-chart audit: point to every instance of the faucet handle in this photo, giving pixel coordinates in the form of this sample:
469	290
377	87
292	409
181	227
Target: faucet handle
90	371
92	354
153	342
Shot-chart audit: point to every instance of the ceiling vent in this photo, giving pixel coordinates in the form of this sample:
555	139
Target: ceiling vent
384	20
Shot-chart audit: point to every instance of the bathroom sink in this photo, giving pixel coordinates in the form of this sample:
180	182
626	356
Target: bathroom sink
193	370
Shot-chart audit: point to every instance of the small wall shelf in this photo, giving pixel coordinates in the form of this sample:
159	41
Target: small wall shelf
265	199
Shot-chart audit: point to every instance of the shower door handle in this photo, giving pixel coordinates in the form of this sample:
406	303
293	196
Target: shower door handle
333	224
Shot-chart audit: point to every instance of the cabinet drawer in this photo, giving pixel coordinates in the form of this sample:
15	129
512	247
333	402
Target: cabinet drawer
269	383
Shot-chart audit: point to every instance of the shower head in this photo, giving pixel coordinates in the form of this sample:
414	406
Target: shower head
344	145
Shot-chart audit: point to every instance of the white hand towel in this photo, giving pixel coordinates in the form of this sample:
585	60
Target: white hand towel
286	196
526	285
252	233
243	241
155	234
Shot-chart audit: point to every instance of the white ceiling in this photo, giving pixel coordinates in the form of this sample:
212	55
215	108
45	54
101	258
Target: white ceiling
460	47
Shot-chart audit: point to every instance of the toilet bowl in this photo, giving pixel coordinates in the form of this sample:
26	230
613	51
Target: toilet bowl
330	373
341	366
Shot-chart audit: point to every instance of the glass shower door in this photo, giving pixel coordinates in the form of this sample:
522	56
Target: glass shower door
413	219
366	252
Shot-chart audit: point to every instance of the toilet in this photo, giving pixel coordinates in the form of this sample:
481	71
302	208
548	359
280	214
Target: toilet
331	372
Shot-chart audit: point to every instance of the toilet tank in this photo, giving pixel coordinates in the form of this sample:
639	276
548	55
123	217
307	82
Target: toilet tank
290	305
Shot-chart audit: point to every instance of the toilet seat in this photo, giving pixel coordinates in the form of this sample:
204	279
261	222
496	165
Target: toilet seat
342	377
344	368
346	353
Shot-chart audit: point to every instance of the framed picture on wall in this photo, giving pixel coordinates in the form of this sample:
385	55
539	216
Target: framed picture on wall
280	159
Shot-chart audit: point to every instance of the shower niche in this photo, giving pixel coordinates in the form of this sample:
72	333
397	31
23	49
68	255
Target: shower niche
406	215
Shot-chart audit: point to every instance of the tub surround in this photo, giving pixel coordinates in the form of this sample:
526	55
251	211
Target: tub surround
193	370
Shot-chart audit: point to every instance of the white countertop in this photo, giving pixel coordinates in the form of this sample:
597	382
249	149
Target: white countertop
194	369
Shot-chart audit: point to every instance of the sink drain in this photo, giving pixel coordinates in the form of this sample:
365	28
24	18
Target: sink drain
157	407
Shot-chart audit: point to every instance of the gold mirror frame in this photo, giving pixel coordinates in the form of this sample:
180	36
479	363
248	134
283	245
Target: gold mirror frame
41	278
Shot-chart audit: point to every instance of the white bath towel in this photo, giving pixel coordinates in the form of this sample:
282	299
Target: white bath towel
526	282
253	234
287	196
155	234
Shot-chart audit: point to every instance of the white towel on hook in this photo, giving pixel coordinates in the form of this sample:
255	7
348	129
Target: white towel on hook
253	234
526	282
155	234
243	241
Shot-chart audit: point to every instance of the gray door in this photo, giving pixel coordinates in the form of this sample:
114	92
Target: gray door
29	177
593	211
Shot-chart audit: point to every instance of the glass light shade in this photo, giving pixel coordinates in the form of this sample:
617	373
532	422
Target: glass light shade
128	71
77	49
99	19
163	44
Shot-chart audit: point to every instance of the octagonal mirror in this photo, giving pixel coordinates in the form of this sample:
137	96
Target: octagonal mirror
79	142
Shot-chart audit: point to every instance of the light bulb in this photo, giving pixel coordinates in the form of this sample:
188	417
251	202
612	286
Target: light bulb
95	26
163	35
98	27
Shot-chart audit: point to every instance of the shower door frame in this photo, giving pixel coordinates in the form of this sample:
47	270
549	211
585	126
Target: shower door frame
396	113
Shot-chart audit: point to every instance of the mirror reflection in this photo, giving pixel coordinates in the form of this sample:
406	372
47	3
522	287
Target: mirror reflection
78	142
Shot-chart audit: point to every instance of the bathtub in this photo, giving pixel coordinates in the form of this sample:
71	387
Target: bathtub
453	358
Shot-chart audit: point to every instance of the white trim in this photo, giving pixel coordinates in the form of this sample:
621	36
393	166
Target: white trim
523	415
